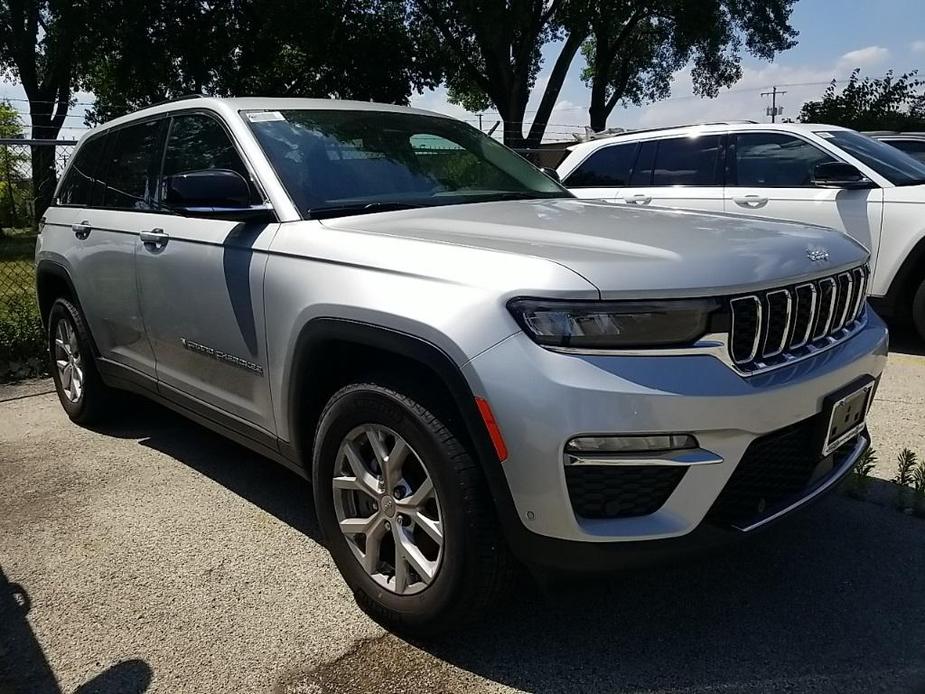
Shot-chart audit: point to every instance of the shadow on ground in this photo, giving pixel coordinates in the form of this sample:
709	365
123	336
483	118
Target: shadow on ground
831	600
25	668
904	339
270	486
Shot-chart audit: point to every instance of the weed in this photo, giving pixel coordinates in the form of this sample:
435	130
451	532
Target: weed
906	464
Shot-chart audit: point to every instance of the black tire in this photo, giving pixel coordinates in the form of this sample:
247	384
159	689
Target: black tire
918	309
91	405
476	569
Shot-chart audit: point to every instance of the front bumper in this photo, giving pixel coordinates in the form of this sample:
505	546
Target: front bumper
541	399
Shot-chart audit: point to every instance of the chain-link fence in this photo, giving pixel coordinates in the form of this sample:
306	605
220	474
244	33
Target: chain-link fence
22	188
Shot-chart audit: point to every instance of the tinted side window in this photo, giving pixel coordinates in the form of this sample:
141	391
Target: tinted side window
609	166
197	142
128	179
645	162
773	160
914	148
77	189
687	161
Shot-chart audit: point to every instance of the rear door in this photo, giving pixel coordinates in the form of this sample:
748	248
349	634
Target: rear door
684	172
604	173
102	203
201	289
770	174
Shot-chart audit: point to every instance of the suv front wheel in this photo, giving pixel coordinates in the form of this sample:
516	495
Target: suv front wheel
405	512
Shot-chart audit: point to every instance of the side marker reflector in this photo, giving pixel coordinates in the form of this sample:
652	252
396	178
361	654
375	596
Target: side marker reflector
493	431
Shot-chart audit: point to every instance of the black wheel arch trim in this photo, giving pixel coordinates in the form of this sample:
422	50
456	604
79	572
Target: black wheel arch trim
47	267
915	260
319	331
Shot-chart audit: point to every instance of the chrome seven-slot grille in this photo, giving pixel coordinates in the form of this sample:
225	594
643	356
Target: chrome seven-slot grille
777	325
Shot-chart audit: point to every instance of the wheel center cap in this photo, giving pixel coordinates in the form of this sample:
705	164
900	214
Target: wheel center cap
388	506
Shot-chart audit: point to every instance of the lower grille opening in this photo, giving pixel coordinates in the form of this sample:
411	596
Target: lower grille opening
620	491
775	468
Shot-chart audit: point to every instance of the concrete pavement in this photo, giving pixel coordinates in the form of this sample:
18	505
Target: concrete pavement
153	555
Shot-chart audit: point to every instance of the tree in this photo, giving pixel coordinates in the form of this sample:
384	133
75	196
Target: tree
491	53
44	45
890	103
13	160
635	46
161	49
492	49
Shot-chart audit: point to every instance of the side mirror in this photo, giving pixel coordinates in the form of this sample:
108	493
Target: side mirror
836	174
211	193
552	173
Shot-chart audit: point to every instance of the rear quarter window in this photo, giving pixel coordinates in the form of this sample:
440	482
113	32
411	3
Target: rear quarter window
607	167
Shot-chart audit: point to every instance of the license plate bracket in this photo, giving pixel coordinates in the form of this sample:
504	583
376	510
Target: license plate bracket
844	413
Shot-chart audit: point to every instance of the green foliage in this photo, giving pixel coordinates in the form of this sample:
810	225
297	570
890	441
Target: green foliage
918	488
22	339
159	49
890	103
491	51
906	463
859	482
635	48
14	164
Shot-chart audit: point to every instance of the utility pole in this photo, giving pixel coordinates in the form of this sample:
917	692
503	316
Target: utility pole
480	123
773	110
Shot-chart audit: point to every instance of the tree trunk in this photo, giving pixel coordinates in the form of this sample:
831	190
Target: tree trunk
553	87
44	175
597	112
44	179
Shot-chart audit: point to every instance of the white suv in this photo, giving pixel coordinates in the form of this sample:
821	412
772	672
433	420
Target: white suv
819	174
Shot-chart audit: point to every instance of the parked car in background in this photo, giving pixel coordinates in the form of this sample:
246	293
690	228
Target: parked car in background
470	364
912	144
819	174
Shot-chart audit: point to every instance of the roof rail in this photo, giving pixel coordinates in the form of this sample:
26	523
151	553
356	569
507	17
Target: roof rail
181	97
613	132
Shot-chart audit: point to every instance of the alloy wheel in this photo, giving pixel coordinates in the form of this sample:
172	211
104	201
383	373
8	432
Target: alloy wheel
387	509
68	360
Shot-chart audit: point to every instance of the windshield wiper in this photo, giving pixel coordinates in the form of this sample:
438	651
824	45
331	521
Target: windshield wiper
328	211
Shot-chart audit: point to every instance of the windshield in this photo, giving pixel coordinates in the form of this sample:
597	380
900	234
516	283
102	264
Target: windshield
897	167
339	162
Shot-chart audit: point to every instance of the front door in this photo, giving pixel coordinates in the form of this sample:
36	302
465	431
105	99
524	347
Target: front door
201	288
771	175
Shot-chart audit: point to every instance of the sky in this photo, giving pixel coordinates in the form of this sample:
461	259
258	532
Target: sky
835	37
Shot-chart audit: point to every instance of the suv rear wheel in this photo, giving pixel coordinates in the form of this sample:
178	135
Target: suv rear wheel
405	512
918	309
80	389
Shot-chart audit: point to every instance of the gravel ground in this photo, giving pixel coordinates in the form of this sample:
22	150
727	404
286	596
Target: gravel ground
156	556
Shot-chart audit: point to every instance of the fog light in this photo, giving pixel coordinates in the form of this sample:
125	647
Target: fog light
630	444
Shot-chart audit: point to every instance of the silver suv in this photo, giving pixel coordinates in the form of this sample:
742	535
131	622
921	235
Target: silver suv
471	366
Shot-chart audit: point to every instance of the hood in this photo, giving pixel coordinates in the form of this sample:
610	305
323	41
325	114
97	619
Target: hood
627	250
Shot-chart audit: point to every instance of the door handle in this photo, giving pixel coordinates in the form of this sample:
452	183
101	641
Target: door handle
82	230
751	200
638	199
156	237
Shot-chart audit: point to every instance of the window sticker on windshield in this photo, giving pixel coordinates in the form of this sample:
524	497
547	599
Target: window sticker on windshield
823	133
263	116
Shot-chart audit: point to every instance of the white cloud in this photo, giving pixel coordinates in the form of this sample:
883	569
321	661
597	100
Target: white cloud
864	57
743	101
917	46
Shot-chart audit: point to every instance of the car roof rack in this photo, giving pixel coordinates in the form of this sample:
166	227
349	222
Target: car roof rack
614	132
182	97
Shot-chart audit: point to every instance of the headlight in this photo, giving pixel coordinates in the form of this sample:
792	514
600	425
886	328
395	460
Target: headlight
614	324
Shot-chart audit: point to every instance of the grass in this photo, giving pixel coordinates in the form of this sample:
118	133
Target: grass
22	340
